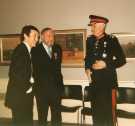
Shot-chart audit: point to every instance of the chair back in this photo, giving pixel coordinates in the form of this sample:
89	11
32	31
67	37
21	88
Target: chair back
126	95
72	92
87	93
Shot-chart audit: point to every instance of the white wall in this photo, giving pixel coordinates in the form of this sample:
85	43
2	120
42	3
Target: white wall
68	14
63	14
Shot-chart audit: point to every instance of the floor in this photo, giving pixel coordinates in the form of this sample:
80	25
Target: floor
7	122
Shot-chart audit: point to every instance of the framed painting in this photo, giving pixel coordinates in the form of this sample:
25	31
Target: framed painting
127	41
7	45
73	46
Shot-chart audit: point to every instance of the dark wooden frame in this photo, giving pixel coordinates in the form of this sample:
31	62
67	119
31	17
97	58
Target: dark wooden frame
7	44
127	41
73	43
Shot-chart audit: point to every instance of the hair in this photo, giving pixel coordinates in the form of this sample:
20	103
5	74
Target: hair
26	30
45	29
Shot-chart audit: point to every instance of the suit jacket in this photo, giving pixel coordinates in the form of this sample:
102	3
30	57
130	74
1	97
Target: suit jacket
19	76
47	71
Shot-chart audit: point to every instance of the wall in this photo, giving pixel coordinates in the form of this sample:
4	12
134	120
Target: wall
68	14
63	14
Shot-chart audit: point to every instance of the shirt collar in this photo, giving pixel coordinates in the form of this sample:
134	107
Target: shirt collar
28	47
46	47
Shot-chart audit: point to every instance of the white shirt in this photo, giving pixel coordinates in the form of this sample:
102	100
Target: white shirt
46	48
28	47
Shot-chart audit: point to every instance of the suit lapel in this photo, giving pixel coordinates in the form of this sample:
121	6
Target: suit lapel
27	52
45	52
27	59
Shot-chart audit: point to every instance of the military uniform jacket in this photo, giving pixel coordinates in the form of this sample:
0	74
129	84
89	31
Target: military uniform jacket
109	50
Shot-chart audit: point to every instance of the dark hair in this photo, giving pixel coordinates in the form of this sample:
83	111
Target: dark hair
26	30
45	29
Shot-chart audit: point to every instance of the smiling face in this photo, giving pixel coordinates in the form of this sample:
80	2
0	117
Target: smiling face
97	29
48	37
32	38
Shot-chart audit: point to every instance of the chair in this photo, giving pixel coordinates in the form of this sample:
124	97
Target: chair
87	97
125	95
72	92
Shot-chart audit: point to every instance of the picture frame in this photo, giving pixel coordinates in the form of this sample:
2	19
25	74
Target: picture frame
127	42
7	45
73	44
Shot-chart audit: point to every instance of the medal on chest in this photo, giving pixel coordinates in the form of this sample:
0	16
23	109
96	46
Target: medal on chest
101	50
104	55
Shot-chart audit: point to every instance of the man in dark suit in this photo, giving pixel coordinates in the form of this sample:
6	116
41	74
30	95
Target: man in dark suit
49	81
19	95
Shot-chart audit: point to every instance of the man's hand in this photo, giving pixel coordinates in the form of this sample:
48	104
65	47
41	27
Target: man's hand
99	64
88	72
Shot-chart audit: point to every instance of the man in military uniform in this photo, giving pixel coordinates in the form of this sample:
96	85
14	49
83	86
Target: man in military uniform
103	55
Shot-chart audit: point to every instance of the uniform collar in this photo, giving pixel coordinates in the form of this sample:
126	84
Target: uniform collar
101	38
